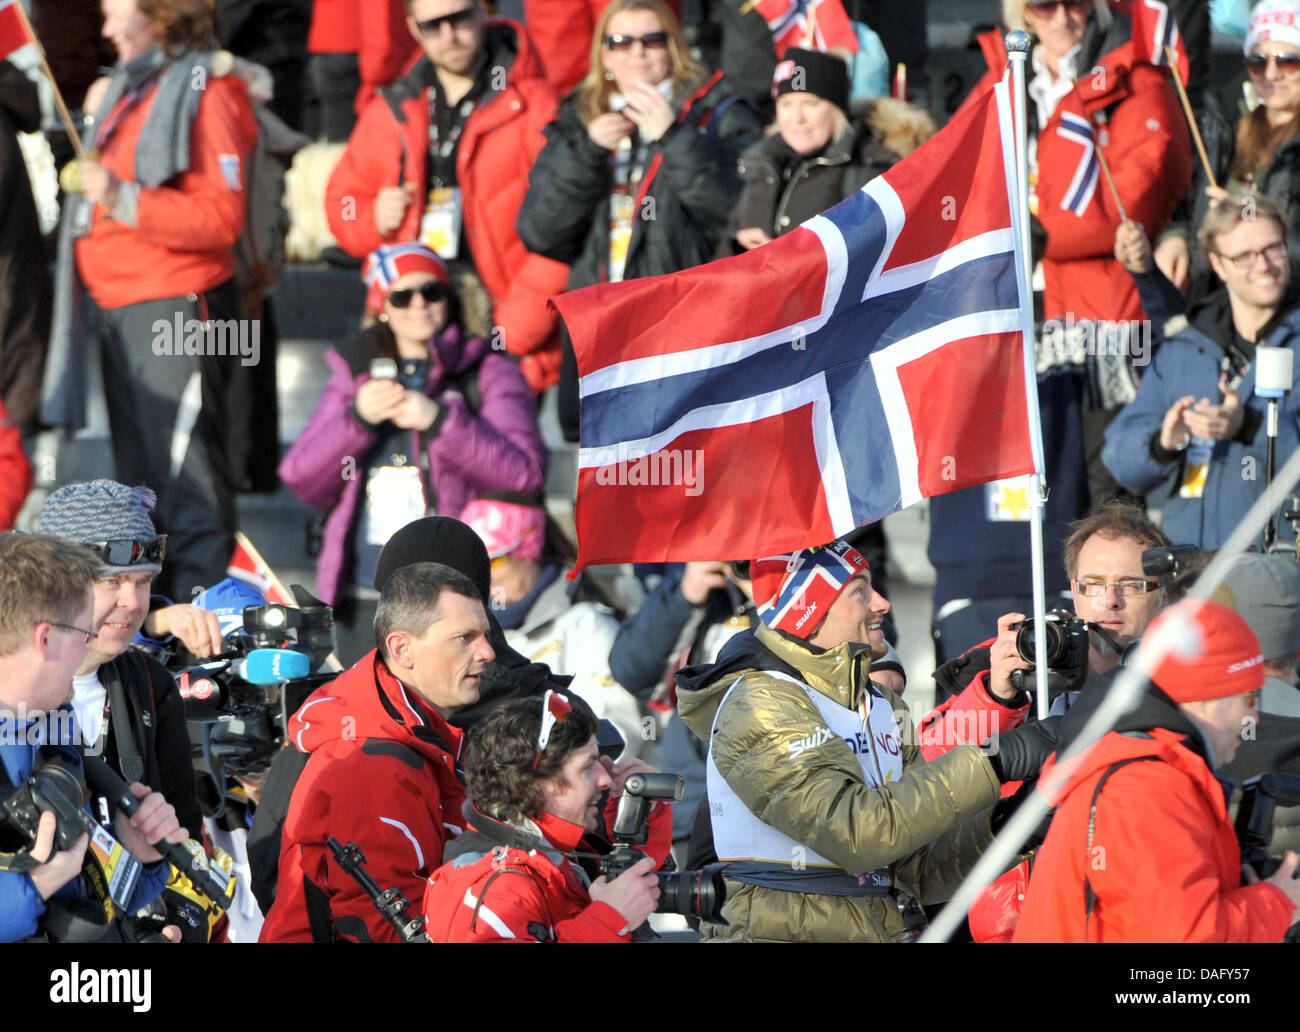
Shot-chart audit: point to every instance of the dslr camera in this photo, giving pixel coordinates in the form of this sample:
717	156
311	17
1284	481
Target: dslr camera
1067	652
55	785
699	894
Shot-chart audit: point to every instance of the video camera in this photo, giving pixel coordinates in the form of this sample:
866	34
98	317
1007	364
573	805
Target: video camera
698	894
238	703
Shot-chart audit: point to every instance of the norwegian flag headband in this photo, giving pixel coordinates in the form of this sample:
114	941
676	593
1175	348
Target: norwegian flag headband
391	262
795	590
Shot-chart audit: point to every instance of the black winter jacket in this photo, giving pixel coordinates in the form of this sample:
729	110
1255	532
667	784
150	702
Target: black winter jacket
150	742
783	188
685	195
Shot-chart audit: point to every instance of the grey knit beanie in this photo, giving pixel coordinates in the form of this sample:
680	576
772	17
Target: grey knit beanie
102	510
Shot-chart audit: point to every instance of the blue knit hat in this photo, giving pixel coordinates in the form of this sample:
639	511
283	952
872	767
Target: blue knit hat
102	510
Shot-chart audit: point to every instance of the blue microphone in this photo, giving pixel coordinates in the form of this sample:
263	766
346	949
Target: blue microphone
273	666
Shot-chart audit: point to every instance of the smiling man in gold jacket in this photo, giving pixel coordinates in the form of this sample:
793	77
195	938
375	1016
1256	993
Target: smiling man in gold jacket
829	819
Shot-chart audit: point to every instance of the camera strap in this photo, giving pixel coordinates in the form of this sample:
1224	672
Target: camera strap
130	760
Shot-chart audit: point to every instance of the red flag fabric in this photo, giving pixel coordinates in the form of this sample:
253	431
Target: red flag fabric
774	401
1154	28
247	565
13	33
789	21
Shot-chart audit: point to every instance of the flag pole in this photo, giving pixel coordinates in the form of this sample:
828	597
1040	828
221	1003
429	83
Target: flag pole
60	105
1018	43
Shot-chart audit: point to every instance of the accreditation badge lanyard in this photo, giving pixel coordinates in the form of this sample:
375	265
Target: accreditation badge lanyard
1196	466
115	118
440	225
626	169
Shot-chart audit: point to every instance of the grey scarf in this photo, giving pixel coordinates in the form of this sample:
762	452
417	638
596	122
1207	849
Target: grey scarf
162	151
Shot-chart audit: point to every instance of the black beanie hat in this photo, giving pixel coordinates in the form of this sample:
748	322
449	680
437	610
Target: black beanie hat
437	539
811	71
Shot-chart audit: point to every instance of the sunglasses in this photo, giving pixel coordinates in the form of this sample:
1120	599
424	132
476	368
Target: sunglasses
555	707
1287	64
126	552
650	41
457	20
431	292
1047	8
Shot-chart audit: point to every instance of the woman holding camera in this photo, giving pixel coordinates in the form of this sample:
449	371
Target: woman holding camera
638	174
418	419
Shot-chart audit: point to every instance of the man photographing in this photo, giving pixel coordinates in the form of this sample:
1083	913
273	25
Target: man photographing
1141	848
45	612
535	780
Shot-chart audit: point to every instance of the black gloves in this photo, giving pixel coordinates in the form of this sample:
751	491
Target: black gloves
1018	755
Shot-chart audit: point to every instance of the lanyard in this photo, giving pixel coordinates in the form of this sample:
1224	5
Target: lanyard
440	148
115	118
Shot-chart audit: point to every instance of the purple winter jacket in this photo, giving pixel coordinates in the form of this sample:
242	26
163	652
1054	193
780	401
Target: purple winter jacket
499	449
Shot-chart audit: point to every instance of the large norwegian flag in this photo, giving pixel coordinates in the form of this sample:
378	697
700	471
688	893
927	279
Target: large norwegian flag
13	28
808	24
874	356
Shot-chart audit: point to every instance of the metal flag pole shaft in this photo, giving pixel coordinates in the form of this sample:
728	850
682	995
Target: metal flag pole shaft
1270	528
1191	118
1017	43
59	105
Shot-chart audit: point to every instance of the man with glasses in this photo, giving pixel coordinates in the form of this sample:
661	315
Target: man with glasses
535	778
442	156
1141	848
45	611
127	704
383	769
1196	425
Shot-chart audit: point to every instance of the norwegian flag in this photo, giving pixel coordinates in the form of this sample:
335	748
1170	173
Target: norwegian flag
1084	182
13	28
1155	28
789	21
773	401
247	565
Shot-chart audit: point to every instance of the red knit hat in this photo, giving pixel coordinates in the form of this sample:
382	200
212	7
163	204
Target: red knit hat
1221	658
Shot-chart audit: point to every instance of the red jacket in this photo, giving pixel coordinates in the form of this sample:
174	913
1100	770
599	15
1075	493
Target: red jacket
973	715
1136	114
502	136
506	885
381	774
381	40
16	477
182	241
1164	861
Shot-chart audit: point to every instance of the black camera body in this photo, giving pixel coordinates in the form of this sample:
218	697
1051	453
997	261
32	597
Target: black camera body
1260	797
55	785
1067	652
698	894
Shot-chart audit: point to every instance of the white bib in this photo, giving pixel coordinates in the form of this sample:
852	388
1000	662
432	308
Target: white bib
873	736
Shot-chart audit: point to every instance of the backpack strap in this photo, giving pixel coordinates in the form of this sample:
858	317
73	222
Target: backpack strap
542	933
1089	894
